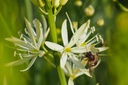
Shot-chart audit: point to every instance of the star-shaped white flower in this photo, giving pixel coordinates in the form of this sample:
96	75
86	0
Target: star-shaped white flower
29	45
84	40
75	66
69	46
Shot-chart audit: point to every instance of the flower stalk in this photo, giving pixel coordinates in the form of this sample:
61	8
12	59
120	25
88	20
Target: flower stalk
53	37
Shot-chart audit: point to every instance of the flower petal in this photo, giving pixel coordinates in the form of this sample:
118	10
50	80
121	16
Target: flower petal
86	71
39	32
18	62
68	69
70	81
63	60
87	24
102	48
20	43
31	31
85	35
78	50
76	36
54	46
46	34
44	23
30	65
91	48
79	74
76	61
64	33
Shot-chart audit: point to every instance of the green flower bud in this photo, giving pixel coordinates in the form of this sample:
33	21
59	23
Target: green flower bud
89	11
63	2
56	3
39	3
100	22
78	3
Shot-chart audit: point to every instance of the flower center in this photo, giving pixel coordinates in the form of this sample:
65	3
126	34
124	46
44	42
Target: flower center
68	49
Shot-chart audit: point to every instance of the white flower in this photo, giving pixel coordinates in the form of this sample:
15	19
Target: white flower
29	45
69	47
75	66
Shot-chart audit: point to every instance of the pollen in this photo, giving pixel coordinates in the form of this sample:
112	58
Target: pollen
68	49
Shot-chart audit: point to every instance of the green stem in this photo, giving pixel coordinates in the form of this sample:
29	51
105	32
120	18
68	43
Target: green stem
29	10
53	34
53	37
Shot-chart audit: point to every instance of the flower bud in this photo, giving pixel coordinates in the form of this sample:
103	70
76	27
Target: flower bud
56	3
75	25
39	3
78	3
63	2
89	11
100	22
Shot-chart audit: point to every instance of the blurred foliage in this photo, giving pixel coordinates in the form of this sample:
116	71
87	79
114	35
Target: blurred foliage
111	71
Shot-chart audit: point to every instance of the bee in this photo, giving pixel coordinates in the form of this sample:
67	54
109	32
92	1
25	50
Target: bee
92	58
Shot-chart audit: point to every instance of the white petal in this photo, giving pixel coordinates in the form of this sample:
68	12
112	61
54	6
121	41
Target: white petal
76	36
84	36
86	71
87	24
102	48
31	31
79	74
46	34
18	62
78	49
39	32
64	33
91	48
70	81
54	46
76	61
63	60
44	23
20	43
30	65
68	69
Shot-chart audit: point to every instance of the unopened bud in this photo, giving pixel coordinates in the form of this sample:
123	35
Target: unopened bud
100	22
56	3
75	25
39	3
89	11
78	3
63	2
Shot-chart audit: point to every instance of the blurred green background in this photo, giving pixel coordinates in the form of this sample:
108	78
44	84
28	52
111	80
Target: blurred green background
112	70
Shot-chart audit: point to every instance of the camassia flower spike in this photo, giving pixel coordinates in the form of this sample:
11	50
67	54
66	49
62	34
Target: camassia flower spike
28	46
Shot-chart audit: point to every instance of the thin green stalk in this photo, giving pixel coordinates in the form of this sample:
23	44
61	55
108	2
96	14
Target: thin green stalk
29	10
53	36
